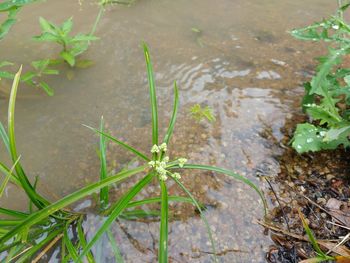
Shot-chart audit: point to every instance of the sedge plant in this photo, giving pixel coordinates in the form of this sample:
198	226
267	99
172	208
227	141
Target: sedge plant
52	224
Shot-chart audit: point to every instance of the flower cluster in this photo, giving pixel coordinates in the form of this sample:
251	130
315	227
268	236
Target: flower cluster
160	162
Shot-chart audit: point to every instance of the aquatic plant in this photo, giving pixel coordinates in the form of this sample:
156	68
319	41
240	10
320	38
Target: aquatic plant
11	7
72	46
33	77
327	95
199	113
29	235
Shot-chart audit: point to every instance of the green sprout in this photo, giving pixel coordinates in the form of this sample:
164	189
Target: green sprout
72	46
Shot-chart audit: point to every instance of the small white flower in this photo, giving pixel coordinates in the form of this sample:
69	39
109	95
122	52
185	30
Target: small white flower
176	175
182	161
160	170
152	164
166	159
155	149
163	147
163	177
162	164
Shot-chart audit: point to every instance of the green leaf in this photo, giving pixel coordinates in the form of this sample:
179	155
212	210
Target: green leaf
118	257
335	134
152	92
322	114
173	116
6	75
324	69
33	196
226	172
308	98
49	91
163	231
124	145
67	26
116	210
103	168
46	36
68	57
46	26
6	26
40	65
308	137
28	76
50	209
5	63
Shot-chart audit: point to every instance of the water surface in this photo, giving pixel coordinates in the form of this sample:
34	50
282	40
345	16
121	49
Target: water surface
243	64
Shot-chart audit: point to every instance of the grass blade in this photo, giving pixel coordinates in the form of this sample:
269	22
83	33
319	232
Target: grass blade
153	97
67	200
7	178
28	188
82	240
229	173
117	255
173	117
194	201
126	146
5	138
69	245
163	235
103	169
115	212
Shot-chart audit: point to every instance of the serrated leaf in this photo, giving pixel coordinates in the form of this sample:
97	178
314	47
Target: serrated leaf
308	137
308	98
323	115
326	65
337	134
68	57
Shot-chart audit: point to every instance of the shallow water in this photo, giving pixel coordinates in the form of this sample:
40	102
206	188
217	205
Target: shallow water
243	64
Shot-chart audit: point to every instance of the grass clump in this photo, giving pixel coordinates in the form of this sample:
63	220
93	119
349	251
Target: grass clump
51	224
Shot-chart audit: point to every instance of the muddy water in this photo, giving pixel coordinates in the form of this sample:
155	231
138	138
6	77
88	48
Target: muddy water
243	64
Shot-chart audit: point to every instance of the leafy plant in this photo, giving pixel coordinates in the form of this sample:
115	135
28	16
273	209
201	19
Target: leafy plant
33	77
11	8
25	234
72	46
199	113
327	95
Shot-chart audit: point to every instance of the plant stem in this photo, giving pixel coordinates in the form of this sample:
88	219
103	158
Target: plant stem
98	18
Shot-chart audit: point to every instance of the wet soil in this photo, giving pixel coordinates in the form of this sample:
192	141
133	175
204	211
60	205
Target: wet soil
317	185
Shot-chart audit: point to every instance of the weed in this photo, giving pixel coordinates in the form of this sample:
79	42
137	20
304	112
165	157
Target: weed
72	46
25	234
199	113
33	77
11	7
327	95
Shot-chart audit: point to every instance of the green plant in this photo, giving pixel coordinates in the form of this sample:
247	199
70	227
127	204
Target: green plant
11	7
72	46
327	95
199	113
27	233
33	77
